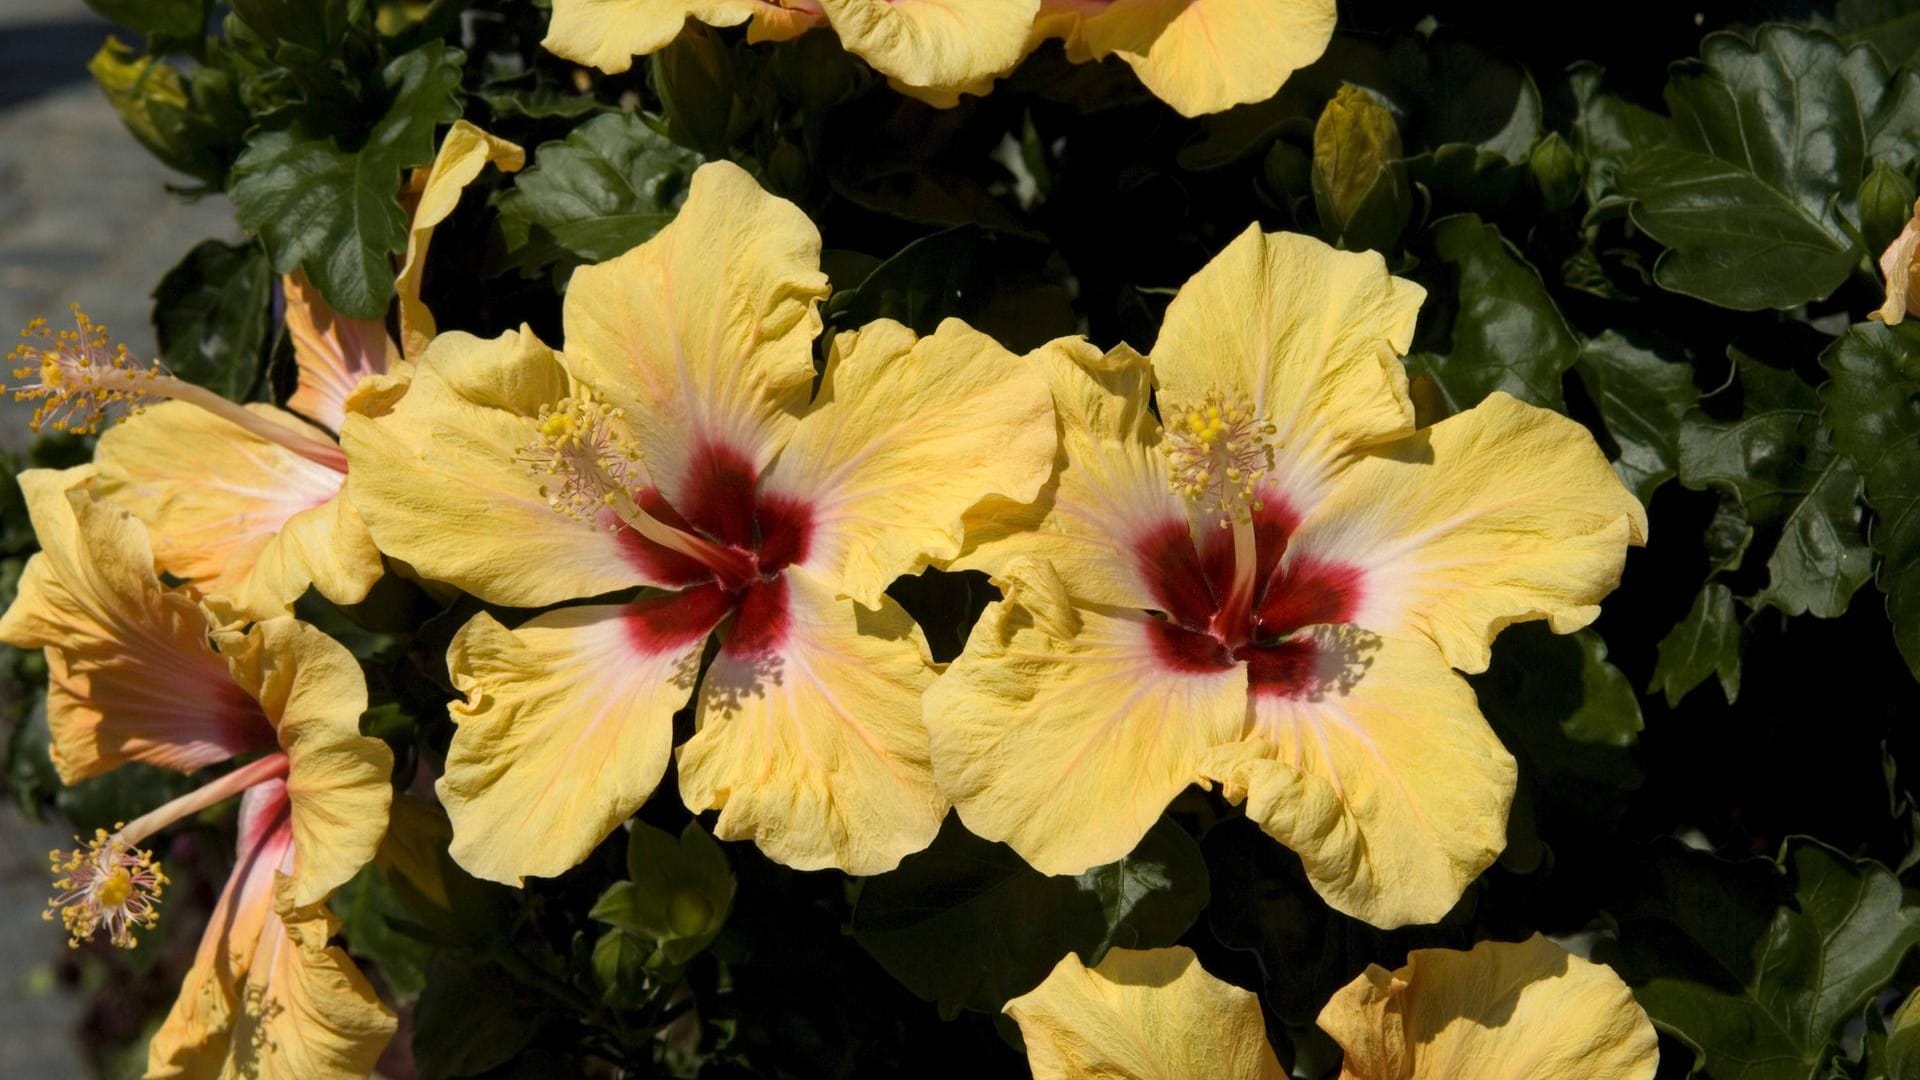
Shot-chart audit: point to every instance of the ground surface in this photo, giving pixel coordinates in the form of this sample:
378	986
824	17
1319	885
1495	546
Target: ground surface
84	217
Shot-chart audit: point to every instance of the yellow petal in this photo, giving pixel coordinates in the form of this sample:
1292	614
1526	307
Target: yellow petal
1069	748
1110	501
131	676
941	45
246	520
1309	335
1897	266
566	727
1205	56
463	153
904	436
1369	758
313	692
810	740
332	352
1446	537
704	335
1500	1011
266	997
1152	1014
438	481
608	34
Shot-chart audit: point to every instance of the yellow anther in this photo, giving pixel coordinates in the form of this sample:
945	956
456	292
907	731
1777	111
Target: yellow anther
105	884
78	376
1218	450
584	457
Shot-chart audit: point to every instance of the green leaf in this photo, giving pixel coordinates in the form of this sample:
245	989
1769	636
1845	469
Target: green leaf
1821	560
1761	994
1152	895
1767	135
1771	456
533	97
1706	642
333	211
1892	27
968	924
1642	397
1870	403
157	18
212	314
680	892
1608	131
1507	334
619	966
314	26
470	1018
608	187
368	908
1001	285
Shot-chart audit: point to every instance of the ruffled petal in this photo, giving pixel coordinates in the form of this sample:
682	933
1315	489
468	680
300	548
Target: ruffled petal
1500	1011
904	436
810	741
1442	534
567	726
463	153
1065	733
313	692
1897	266
131	675
942	46
1109	524
438	481
266	997
246	520
1145	1013
608	34
1369	758
331	352
1310	338
704	335
1206	56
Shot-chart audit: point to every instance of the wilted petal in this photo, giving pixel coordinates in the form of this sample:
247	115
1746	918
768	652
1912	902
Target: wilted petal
463	153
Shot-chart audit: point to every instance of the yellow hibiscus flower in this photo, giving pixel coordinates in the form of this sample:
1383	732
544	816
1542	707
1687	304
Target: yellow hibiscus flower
1199	56
1495	1012
932	49
1272	592
243	500
673	446
132	677
1897	265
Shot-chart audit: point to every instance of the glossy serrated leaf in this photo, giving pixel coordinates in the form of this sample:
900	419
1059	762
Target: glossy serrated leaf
368	910
608	187
1705	643
165	19
1001	285
1870	403
1642	396
1506	333
1770	456
1821	559
1761	994
1608	130
212	314
1150	896
335	212
1771	137
470	1018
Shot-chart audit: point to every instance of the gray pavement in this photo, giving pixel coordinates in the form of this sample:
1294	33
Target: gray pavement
84	216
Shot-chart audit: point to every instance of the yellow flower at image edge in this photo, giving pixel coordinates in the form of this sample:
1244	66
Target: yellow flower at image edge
1499	1011
132	677
676	445
1271	592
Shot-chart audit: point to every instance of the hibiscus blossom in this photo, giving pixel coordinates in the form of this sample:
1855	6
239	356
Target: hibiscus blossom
673	447
1271	590
132	677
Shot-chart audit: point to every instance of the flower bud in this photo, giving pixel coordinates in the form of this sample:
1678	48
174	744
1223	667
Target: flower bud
1886	202
1557	171
1359	182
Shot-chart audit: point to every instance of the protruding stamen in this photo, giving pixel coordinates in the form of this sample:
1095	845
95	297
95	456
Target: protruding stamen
79	376
82	380
105	884
583	457
1219	450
